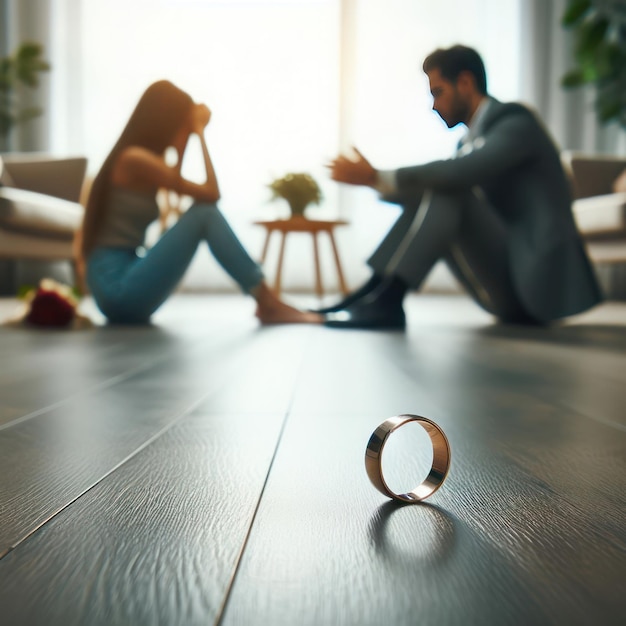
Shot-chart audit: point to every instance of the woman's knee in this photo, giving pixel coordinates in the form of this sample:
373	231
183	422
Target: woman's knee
123	308
204	215
201	208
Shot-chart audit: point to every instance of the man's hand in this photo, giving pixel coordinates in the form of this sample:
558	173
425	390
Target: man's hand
357	171
200	118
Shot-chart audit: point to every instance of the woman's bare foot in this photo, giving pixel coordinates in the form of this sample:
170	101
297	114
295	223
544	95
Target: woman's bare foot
272	310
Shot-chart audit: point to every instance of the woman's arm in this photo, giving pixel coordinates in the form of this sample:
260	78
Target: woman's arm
202	116
211	178
142	170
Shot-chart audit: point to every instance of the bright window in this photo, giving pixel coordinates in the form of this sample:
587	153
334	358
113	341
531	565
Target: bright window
290	83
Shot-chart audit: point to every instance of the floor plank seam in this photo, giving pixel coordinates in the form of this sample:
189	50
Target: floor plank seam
85	392
536	394
222	609
118	465
569	409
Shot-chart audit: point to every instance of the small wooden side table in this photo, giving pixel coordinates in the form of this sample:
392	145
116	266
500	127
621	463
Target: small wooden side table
298	224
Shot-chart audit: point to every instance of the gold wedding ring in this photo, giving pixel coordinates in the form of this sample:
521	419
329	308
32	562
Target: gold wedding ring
438	471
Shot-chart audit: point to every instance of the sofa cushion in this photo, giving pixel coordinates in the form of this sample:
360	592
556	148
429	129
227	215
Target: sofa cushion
53	176
601	216
5	177
619	186
595	175
38	214
16	245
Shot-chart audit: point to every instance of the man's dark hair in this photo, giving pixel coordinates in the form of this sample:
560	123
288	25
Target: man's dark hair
452	61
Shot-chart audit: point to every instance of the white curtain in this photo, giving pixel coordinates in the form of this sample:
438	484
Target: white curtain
22	21
546	57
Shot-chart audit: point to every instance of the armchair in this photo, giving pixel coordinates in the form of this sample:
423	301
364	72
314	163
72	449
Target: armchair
39	208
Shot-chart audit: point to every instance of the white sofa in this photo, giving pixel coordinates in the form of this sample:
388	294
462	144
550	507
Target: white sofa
600	212
39	206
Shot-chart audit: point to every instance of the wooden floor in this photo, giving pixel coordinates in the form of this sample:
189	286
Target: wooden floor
208	471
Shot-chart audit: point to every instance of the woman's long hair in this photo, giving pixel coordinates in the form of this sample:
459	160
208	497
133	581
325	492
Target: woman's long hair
161	111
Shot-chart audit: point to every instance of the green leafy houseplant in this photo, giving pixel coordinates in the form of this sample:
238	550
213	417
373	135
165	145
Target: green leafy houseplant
298	189
22	67
600	54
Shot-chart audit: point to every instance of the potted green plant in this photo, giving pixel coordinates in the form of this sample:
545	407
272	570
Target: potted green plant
599	27
298	189
23	67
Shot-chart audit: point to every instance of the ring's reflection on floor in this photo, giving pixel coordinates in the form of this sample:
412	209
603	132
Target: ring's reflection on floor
408	533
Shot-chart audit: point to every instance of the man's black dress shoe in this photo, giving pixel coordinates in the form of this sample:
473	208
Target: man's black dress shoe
369	315
352	297
340	306
334	307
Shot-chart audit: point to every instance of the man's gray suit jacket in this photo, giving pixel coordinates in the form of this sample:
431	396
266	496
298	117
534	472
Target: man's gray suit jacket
517	166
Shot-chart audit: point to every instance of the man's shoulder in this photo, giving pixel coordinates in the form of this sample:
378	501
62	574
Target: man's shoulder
500	110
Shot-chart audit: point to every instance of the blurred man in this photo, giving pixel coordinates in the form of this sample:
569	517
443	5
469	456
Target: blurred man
498	212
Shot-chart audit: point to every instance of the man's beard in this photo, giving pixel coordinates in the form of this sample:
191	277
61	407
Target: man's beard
459	114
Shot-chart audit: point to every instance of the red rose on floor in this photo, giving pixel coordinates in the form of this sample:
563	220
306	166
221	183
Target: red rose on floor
50	308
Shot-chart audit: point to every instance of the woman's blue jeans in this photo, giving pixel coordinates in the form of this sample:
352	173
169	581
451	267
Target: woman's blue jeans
129	288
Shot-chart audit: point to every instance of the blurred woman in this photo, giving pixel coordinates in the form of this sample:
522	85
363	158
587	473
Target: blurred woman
129	287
